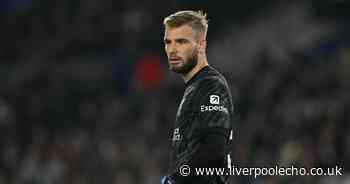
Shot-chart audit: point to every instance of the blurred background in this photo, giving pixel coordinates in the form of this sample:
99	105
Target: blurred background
86	96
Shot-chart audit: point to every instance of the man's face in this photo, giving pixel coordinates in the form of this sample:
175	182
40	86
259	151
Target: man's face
181	48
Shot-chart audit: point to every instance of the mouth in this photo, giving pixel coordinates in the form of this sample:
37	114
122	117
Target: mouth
175	60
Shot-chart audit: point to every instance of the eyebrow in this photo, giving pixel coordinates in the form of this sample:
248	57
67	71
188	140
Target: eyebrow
176	40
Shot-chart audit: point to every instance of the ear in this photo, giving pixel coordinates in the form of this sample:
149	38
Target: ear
202	42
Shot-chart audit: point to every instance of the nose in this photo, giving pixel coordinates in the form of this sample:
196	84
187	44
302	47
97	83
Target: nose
172	49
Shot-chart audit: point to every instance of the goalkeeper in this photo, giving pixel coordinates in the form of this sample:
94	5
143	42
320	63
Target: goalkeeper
202	132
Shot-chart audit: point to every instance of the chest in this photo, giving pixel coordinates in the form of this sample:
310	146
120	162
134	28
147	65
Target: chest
186	108
184	119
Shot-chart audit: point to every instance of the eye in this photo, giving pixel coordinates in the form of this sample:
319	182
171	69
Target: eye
166	42
182	41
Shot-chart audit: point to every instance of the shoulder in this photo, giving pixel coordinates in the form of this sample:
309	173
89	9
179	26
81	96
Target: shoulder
213	81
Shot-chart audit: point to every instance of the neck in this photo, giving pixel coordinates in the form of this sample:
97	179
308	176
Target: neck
202	62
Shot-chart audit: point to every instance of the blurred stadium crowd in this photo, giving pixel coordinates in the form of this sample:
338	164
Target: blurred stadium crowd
86	96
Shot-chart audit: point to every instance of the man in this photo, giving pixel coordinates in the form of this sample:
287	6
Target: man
203	125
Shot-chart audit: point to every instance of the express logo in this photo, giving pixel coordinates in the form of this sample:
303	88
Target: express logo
214	99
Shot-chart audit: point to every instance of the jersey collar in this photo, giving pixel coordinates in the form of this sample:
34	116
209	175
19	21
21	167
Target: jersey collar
196	76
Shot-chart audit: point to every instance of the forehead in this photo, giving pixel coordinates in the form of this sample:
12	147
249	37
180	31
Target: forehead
184	31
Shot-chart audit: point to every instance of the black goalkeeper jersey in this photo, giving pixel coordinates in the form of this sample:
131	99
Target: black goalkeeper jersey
203	127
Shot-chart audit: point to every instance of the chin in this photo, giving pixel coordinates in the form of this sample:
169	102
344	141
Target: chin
176	69
180	70
184	67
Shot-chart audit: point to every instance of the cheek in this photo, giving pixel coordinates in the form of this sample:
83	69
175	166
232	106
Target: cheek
167	51
189	52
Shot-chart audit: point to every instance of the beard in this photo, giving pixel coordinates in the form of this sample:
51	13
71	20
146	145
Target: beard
187	65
